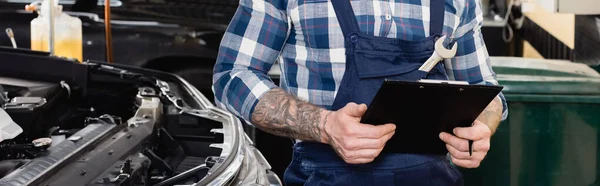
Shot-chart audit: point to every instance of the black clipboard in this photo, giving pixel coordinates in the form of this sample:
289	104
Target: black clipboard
421	110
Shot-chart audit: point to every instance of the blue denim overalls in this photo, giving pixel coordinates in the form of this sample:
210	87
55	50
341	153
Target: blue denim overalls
369	61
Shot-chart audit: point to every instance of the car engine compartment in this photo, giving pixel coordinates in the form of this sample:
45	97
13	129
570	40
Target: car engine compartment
51	113
113	126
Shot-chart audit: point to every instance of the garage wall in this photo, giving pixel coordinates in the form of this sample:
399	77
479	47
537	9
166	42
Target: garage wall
561	36
561	26
530	52
546	34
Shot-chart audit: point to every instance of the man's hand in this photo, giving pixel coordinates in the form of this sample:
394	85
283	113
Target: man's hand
353	141
458	145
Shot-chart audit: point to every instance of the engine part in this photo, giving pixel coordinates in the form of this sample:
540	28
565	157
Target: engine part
174	152
57	157
25	102
3	96
25	88
132	171
31	150
35	107
57	139
211	160
107	119
125	142
11	165
42	142
8	128
161	165
183	176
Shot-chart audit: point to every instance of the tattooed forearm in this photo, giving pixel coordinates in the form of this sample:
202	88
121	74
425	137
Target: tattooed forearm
329	138
492	114
282	114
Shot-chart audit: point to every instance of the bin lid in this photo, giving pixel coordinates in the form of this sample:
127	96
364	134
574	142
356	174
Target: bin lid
541	67
546	77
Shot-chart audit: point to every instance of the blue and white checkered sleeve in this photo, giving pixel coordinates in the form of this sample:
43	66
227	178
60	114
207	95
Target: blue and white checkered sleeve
472	61
249	47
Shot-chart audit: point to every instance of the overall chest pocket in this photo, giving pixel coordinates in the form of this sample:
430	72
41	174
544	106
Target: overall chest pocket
391	65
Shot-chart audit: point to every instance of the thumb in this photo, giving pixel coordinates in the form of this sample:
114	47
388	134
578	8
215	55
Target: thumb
355	110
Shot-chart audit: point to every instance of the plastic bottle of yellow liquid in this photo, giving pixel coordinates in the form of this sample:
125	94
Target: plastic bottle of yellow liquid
67	32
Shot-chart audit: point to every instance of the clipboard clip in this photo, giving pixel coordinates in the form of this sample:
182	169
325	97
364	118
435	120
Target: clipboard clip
443	81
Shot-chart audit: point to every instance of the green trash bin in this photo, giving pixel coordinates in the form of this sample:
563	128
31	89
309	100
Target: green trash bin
551	136
596	67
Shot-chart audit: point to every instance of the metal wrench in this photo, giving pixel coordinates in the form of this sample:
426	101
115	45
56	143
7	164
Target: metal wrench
439	53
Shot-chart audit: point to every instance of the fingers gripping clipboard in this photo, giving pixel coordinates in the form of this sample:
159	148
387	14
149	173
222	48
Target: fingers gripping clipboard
423	109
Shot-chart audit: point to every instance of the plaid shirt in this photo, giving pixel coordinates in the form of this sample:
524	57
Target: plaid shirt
306	39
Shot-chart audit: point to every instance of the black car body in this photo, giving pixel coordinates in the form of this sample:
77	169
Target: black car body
180	36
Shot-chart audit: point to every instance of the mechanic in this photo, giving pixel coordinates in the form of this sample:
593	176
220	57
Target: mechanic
319	45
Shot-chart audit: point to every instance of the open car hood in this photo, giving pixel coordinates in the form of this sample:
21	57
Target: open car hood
237	163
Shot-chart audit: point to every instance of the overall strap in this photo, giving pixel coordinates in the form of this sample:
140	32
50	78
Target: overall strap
345	16
437	11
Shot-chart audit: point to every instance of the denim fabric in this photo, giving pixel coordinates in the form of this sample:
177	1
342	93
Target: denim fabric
316	164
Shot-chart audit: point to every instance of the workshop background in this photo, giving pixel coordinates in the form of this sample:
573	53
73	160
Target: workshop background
546	53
